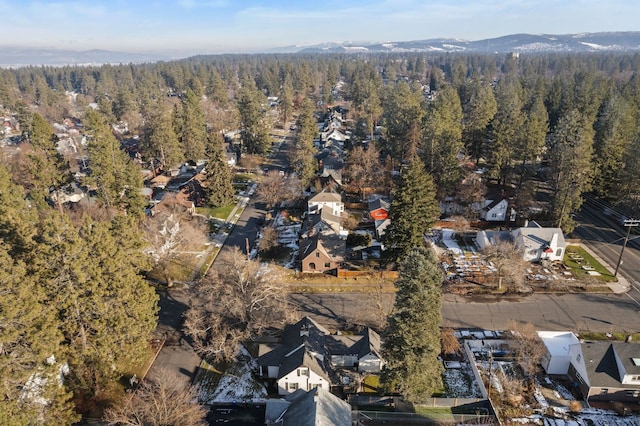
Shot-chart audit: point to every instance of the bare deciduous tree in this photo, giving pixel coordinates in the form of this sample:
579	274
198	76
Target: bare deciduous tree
170	233
509	263
237	302
449	342
251	162
528	346
166	400
271	188
269	239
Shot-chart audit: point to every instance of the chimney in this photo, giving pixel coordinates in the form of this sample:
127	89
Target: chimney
526	223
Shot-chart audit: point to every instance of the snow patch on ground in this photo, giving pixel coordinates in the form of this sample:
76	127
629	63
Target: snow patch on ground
237	384
460	383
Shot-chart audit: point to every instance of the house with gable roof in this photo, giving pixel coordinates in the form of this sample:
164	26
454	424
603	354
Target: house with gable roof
326	199
607	371
538	243
317	407
321	254
308	356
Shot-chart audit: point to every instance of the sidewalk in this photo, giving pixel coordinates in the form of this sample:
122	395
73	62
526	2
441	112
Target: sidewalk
220	238
619	287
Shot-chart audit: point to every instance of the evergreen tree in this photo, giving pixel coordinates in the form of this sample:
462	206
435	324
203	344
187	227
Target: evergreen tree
303	160
253	120
192	128
531	138
117	179
48	169
412	338
615	131
106	311
571	151
159	140
413	210
479	107
506	126
219	182
443	140
31	350
402	118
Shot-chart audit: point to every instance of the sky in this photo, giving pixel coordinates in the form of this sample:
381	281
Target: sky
235	26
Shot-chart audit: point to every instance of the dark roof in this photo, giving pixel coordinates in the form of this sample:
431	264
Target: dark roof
318	407
378	203
332	247
601	361
362	344
298	345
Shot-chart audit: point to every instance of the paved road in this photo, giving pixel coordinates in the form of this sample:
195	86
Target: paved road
592	312
605	236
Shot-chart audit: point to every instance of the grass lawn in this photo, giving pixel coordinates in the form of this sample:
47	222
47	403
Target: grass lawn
371	384
440	414
180	269
576	264
219	212
587	335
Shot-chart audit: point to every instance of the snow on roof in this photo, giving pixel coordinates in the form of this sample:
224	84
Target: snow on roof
558	342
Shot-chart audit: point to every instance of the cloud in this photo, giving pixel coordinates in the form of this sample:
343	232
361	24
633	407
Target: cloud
193	4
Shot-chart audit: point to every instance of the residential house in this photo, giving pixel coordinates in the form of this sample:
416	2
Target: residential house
361	351
331	177
538	243
316	407
333	137
321	254
379	212
489	238
330	158
326	199
607	371
560	348
299	361
308	356
498	211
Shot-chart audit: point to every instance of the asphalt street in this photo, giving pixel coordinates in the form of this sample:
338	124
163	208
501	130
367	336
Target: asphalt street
584	312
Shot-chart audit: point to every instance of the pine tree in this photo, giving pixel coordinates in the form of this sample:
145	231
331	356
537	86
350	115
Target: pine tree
219	182
106	311
402	118
479	107
47	168
506	127
303	160
117	179
159	140
253	120
443	140
571	151
412	338
192	127
413	210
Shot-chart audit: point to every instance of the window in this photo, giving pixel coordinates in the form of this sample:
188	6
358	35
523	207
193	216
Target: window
579	357
559	252
317	254
604	391
303	372
312	265
293	386
327	264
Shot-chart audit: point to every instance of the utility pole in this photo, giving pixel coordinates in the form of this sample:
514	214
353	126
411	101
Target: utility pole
629	223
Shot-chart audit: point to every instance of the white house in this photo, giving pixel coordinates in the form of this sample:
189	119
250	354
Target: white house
561	347
538	243
498	211
326	199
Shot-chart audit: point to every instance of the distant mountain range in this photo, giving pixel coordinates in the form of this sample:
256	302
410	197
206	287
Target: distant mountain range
19	56
522	43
